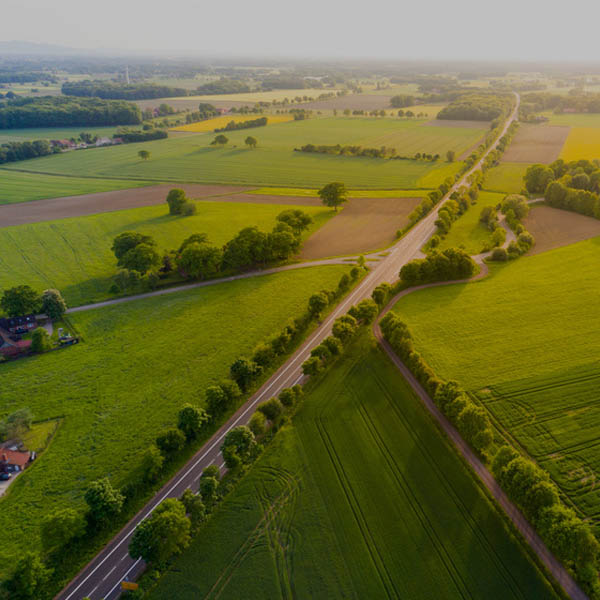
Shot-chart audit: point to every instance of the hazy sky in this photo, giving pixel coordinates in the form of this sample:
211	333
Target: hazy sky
510	29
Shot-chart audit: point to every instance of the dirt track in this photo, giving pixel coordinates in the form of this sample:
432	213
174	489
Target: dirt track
89	204
364	225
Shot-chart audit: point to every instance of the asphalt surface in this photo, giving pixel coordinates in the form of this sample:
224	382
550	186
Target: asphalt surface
102	577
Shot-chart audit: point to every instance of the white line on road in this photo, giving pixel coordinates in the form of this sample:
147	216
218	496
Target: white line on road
109	572
124	578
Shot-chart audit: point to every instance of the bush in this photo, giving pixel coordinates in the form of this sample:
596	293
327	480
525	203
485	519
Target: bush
170	441
40	340
258	423
287	397
499	254
188	209
272	409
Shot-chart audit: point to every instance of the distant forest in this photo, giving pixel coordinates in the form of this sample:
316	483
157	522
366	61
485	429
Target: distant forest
108	90
476	107
61	111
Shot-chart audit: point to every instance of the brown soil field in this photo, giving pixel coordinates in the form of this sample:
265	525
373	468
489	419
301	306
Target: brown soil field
553	228
536	144
452	123
364	225
89	204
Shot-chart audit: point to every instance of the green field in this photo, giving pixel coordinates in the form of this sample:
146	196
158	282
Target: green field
139	363
506	178
52	133
467	232
360	498
190	158
16	186
282	191
526	341
574	119
74	255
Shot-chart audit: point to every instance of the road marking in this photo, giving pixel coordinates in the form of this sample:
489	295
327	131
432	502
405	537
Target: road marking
94	590
425	226
221	467
125	556
109	572
124	578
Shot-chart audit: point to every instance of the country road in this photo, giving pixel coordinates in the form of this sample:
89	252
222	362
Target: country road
102	577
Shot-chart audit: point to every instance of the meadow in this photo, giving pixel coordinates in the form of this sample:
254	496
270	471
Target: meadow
467	231
74	255
18	186
573	119
506	178
219	122
582	142
138	364
308	193
360	497
192	159
52	133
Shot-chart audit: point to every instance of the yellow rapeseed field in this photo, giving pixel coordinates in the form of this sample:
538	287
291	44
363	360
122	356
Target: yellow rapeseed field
218	122
582	142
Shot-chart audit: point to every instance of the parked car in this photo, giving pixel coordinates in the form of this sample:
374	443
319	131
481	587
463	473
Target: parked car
5	476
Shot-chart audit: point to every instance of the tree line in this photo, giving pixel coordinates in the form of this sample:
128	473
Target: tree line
233	126
15	151
109	90
402	101
61	111
382	152
140	135
578	101
477	107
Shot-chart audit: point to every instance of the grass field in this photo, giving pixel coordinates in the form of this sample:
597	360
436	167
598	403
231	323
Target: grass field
16	186
506	178
52	133
467	231
138	364
191	159
218	122
282	191
574	119
359	498
582	142
74	255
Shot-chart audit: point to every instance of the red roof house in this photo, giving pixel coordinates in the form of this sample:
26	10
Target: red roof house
13	460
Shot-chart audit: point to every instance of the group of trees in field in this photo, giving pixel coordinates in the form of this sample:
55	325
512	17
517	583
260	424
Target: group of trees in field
15	151
130	136
452	263
223	86
180	204
23	300
382	152
515	208
402	101
477	107
573	186
233	126
110	90
63	111
575	100
205	111
196	258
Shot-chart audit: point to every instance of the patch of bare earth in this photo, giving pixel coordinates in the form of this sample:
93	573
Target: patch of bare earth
364	225
536	144
553	228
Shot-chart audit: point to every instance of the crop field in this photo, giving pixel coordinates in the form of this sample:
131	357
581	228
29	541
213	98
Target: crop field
530	317
583	142
218	122
367	101
553	228
101	396
359	498
52	133
365	224
74	255
574	119
191	159
18	186
536	144
506	178
272	191
467	231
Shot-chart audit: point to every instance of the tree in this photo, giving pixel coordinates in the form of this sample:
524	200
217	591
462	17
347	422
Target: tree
271	408
15	425
164	533
238	446
344	328
190	420
142	258
450	156
220	140
40	340
194	507
61	527
257	423
250	141
312	366
170	441
333	194
30	579
144	154
104	501
208	488
53	304
317	303
20	300
243	371
152	464
248	248
200	261
128	240
297	219
176	199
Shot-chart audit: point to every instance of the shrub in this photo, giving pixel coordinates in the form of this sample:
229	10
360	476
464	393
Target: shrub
258	423
499	254
272	409
188	209
170	441
287	397
498	236
40	340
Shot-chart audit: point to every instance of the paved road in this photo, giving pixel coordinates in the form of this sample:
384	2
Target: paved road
101	578
514	514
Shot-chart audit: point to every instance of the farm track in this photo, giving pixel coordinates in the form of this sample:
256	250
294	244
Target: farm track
92	581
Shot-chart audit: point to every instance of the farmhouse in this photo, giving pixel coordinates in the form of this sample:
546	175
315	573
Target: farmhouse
11	329
19	325
14	460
